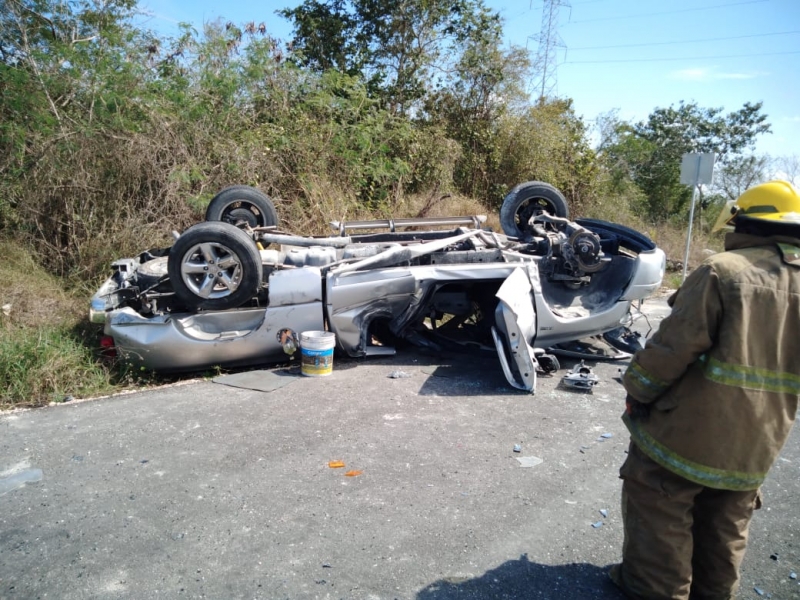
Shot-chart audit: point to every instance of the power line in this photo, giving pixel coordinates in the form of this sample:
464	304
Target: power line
632	60
546	61
669	12
719	39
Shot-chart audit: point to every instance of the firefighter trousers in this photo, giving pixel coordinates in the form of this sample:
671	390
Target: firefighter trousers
683	541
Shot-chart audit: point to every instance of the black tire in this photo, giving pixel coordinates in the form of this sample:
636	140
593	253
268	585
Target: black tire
242	204
214	266
527	200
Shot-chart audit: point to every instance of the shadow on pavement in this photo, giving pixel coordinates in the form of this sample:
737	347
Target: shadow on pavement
523	579
466	378
447	373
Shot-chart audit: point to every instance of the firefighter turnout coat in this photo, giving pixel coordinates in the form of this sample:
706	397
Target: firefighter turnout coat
722	374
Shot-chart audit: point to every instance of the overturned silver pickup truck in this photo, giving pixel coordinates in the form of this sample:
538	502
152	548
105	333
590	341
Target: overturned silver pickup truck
234	290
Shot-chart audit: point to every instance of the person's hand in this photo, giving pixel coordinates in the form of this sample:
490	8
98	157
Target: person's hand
638	411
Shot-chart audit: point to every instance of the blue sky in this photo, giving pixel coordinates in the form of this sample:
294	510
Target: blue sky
627	55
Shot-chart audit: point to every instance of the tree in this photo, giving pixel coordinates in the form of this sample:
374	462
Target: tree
788	168
547	142
649	152
398	48
325	36
485	84
69	71
739	173
61	47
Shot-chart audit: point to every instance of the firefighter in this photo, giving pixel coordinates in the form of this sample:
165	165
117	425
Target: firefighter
710	402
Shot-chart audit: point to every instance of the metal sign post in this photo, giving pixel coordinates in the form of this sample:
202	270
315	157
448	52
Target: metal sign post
696	169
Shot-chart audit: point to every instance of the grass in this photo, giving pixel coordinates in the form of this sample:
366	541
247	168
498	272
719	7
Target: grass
46	352
39	365
672	280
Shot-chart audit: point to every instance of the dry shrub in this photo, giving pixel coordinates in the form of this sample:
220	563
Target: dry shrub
93	197
624	207
322	202
672	239
612	207
447	205
318	203
31	296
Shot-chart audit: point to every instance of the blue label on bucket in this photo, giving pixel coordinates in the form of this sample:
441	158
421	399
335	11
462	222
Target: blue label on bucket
308	352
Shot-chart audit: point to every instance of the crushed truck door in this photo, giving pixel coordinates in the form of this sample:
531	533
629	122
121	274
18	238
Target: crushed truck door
515	327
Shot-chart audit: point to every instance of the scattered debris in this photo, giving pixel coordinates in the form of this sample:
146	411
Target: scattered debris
597	525
517	448
604	512
583	449
399	375
605	436
353	473
547	363
774	556
336	464
580	377
792	575
529	461
758	591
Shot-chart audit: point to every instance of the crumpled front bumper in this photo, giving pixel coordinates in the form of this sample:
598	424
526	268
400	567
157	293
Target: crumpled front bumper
191	341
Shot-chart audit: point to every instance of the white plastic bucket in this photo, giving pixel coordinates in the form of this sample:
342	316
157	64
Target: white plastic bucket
316	353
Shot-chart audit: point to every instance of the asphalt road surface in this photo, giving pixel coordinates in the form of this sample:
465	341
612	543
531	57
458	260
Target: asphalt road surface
203	490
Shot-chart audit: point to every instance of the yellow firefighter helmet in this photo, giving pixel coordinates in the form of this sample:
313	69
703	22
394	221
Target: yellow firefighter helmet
775	201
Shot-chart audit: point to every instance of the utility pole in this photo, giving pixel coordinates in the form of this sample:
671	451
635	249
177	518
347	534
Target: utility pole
546	61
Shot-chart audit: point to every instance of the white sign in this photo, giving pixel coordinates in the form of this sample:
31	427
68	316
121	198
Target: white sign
697	168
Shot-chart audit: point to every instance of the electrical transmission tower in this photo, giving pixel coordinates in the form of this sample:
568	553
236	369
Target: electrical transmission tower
546	61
